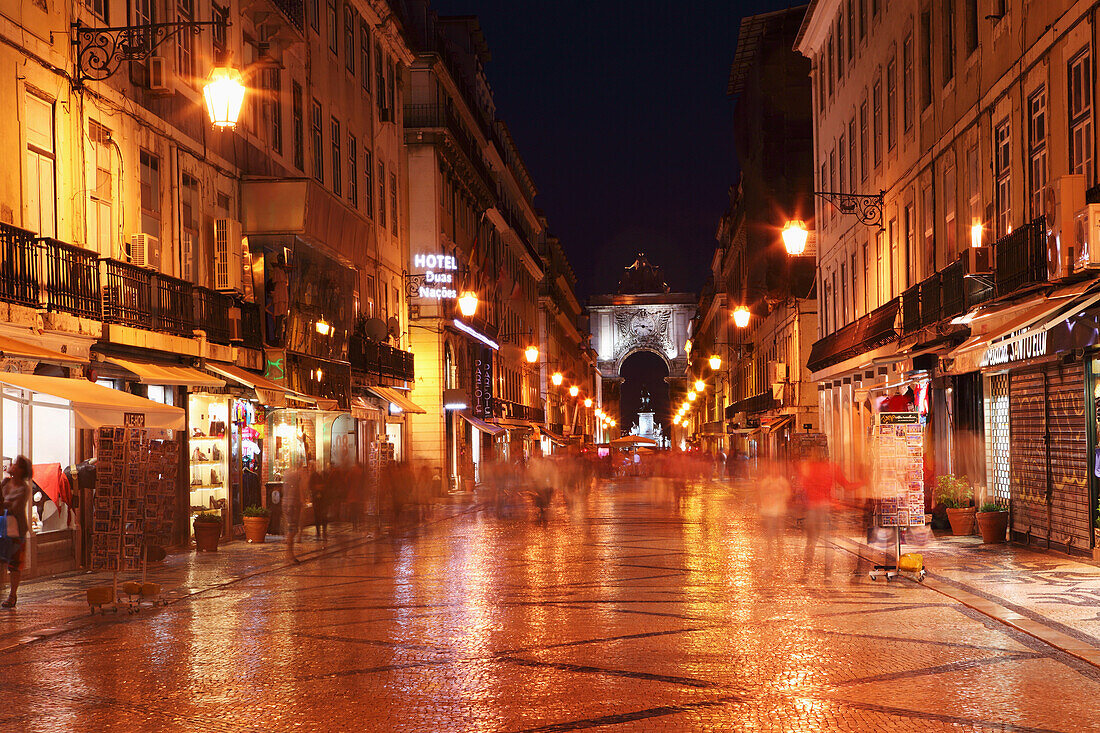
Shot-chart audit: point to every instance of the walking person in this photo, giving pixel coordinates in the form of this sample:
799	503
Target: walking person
16	491
819	479
772	499
295	485
320	492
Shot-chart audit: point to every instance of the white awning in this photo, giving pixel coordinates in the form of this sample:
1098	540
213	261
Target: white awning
269	393
12	348
395	397
481	425
95	405
180	376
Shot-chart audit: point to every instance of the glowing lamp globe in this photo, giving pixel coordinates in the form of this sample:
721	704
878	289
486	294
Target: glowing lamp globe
532	354
692	395
587	401
794	237
741	316
700	385
556	378
224	94
574	391
467	303
676	420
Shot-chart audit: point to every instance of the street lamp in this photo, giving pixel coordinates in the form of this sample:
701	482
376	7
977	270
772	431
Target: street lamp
741	316
692	396
467	303
700	385
224	95
587	401
676	420
715	362
574	390
532	354
556	378
795	236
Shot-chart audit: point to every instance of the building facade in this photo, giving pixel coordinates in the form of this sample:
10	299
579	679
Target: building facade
977	126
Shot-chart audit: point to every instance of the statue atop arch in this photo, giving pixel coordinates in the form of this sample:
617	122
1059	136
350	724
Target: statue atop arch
642	277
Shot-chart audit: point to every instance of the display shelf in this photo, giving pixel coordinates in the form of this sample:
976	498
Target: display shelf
207	437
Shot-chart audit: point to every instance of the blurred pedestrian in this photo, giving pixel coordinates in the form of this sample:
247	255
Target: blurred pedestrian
295	486
819	479
773	495
16	490
320	492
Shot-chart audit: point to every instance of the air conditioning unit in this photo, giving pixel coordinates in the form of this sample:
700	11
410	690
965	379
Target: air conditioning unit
144	251
979	260
1064	197
187	256
227	255
1087	239
157	79
777	372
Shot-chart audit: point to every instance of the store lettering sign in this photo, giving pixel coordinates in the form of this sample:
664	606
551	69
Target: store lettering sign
1016	349
438	280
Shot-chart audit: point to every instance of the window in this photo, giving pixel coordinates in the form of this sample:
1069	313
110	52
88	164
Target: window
850	13
866	279
844	290
825	307
333	28
379	78
364	55
315	14
908	225
929	249
368	183
299	126
839	50
971	26
150	192
98	8
1037	150
101	189
382	193
863	140
191	256
273	107
880	257
877	132
832	180
853	151
831	70
836	306
218	33
317	129
353	171
950	218
349	38
948	41
891	104
1002	163
862	19
41	197
907	83
391	87
1080	116
393	202
185	42
842	169
926	59
145	11
337	178
892	265
855	298
974	187
820	84
823	184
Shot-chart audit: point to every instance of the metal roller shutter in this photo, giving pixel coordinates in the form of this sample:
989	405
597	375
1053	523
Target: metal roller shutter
1027	415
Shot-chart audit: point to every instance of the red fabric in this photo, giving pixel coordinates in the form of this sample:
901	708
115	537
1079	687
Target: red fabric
897	403
818	479
54	482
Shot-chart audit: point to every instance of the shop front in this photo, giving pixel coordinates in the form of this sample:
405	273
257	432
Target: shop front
55	421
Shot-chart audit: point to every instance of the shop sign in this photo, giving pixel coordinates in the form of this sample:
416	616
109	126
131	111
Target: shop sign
899	418
133	419
1016	348
437	282
275	365
483	384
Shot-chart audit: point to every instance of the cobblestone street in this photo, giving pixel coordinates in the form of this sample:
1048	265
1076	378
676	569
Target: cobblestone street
627	613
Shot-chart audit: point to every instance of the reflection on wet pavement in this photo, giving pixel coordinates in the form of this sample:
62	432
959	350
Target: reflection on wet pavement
627	613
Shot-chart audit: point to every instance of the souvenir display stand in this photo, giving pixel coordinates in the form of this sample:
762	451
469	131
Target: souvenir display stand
898	440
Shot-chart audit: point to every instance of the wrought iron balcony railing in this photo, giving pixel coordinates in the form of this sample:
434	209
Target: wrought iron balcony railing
18	266
1021	258
71	279
379	359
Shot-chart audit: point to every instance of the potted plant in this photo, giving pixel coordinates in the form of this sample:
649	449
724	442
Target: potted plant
992	522
956	495
208	530
256	520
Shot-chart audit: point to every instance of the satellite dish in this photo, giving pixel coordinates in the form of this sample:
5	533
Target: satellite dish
375	329
393	326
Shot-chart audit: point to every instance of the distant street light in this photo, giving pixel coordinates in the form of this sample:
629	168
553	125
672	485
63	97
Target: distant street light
587	401
574	391
715	362
556	378
700	385
795	236
532	354
741	316
692	396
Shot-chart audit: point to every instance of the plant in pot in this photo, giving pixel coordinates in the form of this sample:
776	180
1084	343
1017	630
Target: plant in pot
208	530
992	522
256	520
956	495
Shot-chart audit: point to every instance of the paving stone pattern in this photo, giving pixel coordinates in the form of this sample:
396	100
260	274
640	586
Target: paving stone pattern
626	613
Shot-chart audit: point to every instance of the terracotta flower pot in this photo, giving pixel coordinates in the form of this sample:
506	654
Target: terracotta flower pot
993	526
207	535
962	521
255	528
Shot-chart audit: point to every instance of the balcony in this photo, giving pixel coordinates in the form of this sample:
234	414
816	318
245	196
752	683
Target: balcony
212	315
379	359
931	306
71	279
1021	258
517	411
910	310
953	289
428	116
127	294
175	306
19	266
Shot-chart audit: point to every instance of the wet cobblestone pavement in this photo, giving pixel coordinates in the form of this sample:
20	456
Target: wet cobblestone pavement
627	613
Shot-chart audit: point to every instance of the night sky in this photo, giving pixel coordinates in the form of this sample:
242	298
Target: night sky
619	109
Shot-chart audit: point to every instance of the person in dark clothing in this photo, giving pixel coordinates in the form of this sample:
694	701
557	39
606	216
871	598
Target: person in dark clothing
319	495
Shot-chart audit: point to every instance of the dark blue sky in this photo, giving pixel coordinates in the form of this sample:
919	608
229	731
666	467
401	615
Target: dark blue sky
619	109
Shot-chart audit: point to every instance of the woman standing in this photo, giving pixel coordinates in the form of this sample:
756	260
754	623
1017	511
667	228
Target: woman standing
16	490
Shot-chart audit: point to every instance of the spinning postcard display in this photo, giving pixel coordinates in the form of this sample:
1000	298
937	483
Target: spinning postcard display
899	469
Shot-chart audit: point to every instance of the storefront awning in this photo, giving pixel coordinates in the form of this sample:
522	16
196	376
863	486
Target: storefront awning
95	405
513	424
11	348
477	422
776	423
553	437
269	393
180	376
395	397
869	332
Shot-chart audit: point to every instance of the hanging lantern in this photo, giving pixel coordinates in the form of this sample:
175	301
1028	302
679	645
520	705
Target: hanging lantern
224	94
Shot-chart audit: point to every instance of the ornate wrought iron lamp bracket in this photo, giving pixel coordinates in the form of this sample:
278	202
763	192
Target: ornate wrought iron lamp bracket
867	207
100	51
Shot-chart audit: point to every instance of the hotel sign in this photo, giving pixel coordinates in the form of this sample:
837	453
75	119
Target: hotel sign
1017	347
437	281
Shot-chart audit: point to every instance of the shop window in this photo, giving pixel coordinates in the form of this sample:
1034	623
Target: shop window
161	393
